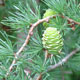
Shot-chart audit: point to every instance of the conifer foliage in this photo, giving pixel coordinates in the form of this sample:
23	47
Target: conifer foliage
51	48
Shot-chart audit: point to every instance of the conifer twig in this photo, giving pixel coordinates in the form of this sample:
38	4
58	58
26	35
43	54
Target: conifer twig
46	56
71	20
30	33
64	60
39	77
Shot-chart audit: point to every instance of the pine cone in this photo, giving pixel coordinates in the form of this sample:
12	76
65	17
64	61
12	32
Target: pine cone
48	12
52	40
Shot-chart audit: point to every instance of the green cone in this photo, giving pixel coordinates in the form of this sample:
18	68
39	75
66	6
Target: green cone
52	40
48	12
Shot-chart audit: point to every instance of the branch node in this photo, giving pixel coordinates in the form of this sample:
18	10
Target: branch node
31	33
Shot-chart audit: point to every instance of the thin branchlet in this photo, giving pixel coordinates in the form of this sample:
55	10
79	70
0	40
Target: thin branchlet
30	33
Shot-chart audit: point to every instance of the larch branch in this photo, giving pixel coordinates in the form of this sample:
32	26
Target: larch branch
30	33
64	60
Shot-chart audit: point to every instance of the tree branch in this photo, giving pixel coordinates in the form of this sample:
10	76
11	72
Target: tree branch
27	40
30	33
71	20
52	67
64	60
